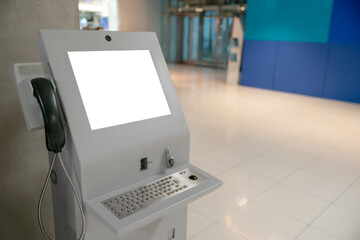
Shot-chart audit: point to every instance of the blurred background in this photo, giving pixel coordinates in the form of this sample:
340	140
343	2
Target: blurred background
289	157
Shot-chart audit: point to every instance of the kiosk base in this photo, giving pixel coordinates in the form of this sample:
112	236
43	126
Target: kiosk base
169	227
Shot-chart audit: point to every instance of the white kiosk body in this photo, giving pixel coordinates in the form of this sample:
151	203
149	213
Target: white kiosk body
123	124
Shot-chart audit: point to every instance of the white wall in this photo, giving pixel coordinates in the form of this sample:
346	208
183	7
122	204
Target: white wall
23	156
140	15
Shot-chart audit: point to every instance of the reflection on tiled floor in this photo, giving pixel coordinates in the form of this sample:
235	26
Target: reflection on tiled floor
290	163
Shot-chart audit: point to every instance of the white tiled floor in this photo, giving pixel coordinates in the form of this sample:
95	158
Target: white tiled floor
290	163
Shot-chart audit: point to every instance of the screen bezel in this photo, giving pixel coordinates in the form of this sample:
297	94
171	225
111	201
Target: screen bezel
53	47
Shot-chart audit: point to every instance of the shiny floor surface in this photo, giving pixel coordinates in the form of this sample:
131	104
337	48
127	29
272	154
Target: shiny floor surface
290	163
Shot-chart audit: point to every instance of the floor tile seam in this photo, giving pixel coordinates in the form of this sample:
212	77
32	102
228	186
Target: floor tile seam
332	204
271	179
263	152
304	191
333	130
330	234
349	114
246	161
289	108
241	235
343	150
302	168
296	169
203	215
298	166
203	230
276	183
308	226
347	208
230	166
323	122
240	168
284	215
308	193
236	164
216	148
228	229
300	233
307	152
352	134
227	145
276	124
330	145
224	171
253	133
347	188
229	190
345	141
229	212
348	139
286	142
248	134
281	144
249	198
316	157
279	125
343	192
329	177
320	152
257	174
252	199
306	131
281	213
305	138
280	181
337	130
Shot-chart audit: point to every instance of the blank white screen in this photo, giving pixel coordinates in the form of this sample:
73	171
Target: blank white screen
118	87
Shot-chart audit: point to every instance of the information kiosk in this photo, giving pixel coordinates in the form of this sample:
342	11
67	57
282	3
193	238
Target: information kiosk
117	137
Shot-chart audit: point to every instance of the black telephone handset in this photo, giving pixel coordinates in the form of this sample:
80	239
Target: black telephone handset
54	129
55	140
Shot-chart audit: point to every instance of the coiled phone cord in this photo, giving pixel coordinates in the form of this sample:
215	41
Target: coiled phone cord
73	188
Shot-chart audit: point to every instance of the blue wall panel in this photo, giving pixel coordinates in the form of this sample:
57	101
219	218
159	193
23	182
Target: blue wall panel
286	20
345	23
307	47
258	64
300	67
343	72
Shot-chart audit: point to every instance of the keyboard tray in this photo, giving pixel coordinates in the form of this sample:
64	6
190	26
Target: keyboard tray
105	208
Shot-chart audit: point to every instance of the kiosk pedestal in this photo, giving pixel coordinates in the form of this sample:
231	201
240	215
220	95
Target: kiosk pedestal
126	140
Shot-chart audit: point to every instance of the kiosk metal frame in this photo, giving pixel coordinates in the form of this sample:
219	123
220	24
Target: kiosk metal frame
109	161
